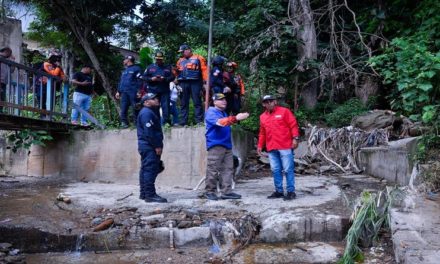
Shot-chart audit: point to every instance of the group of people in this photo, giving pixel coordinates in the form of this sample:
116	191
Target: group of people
186	80
279	135
52	66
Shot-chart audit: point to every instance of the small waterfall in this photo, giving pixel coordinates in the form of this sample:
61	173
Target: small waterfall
79	244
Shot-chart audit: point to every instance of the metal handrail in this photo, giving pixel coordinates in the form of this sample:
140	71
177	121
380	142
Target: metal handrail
25	93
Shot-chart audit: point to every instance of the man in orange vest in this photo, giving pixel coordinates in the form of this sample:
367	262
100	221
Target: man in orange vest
53	67
192	75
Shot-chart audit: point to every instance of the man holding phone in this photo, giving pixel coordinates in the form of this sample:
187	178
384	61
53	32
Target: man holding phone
158	77
83	82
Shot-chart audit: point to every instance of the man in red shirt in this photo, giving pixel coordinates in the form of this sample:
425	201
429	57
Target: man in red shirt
279	133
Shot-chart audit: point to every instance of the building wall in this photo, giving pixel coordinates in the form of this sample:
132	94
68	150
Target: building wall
112	156
11	36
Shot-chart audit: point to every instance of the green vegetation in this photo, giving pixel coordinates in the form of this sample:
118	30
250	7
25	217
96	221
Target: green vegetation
342	115
26	138
392	47
369	216
103	110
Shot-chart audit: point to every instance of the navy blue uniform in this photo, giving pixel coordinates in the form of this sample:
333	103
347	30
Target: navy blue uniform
150	137
216	80
233	98
161	88
128	87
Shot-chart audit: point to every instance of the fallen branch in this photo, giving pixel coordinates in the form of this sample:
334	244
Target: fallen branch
330	160
128	195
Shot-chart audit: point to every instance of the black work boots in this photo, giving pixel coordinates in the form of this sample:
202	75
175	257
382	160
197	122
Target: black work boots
155	199
275	195
289	196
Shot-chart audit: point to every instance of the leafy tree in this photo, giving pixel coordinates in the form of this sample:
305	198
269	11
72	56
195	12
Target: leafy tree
91	23
145	57
412	64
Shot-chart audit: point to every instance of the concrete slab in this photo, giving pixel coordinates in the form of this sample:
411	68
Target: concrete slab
393	163
318	214
416	231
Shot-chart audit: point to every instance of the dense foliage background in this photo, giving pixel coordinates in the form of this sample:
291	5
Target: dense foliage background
326	60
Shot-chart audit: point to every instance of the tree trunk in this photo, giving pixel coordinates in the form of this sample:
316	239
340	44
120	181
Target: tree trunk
107	86
81	31
304	26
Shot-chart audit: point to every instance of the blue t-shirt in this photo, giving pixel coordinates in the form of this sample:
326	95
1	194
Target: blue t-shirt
217	135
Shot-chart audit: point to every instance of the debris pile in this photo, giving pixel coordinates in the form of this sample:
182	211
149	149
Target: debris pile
236	235
338	147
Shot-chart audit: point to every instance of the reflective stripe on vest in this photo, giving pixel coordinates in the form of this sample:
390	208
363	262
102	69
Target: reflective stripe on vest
190	69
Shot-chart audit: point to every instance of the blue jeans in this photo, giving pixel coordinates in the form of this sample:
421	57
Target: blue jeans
83	101
282	161
148	172
174	112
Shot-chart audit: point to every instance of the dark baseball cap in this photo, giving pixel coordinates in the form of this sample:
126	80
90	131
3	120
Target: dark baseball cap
183	47
268	97
218	96
158	55
148	96
129	57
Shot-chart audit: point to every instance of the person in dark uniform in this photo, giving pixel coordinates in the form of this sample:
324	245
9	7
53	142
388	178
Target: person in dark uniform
216	76
158	77
128	89
235	82
150	144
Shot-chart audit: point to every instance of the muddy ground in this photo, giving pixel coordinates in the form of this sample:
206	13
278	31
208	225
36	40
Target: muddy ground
24	199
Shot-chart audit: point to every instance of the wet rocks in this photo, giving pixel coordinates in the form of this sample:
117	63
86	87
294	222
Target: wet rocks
10	255
4	247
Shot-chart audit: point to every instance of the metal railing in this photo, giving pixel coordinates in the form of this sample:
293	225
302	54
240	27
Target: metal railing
29	92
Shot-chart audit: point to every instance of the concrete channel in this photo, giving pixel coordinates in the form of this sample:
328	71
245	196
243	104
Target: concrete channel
309	229
34	222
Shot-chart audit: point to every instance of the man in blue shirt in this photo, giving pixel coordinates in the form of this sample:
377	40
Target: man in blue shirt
150	144
158	76
129	89
220	166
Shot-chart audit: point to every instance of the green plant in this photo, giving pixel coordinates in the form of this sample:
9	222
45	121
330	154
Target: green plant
145	57
26	138
414	68
315	115
104	111
370	214
343	114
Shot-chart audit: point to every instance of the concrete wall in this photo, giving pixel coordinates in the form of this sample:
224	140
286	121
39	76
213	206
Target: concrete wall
102	155
393	163
11	36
